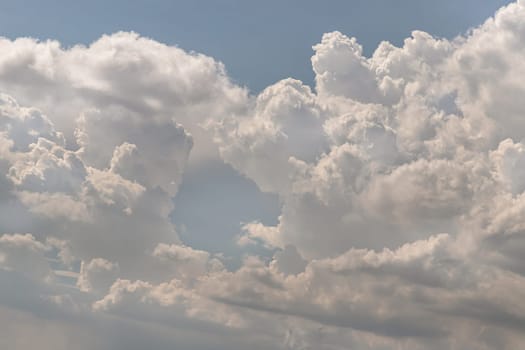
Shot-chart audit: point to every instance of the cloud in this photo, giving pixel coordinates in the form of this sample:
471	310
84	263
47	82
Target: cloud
23	253
400	180
97	275
185	263
285	122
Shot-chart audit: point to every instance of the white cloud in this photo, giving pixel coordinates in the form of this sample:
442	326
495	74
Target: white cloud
370	167
285	122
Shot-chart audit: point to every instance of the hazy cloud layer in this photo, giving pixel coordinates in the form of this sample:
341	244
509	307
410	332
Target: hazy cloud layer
400	176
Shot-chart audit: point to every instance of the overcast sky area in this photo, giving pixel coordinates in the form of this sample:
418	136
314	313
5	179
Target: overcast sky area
225	175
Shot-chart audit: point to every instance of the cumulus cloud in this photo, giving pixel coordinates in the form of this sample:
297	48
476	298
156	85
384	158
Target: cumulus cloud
23	253
97	275
400	180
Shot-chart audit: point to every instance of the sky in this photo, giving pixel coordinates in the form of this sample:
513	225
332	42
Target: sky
260	42
264	175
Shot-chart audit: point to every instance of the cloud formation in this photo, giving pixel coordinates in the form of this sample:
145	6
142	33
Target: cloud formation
400	178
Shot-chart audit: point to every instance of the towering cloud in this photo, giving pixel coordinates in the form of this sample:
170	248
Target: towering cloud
400	179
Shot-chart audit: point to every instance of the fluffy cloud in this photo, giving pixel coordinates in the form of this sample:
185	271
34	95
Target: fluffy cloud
284	122
97	275
400	179
23	253
407	158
